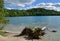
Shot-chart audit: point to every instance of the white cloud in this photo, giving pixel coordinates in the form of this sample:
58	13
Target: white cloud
9	8
50	6
21	3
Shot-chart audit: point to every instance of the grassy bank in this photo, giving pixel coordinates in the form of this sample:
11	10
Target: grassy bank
2	33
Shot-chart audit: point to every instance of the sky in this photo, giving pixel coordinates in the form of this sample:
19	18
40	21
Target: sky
28	4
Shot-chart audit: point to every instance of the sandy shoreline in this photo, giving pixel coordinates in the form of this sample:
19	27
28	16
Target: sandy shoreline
49	36
10	37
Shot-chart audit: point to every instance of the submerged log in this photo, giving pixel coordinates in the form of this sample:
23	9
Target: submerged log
54	31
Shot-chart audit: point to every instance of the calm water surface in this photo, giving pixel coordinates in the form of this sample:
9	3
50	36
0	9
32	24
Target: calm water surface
17	24
54	20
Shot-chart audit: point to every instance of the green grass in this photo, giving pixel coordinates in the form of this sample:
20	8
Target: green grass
1	28
2	33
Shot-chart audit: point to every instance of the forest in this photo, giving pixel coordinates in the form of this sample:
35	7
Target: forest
29	12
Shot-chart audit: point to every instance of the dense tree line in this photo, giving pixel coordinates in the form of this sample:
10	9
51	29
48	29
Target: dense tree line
30	12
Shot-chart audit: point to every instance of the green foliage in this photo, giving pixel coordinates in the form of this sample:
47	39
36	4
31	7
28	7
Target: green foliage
2	33
3	20
1	28
1	3
30	12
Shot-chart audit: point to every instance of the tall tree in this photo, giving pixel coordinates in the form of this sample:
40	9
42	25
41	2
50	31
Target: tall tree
1	3
2	15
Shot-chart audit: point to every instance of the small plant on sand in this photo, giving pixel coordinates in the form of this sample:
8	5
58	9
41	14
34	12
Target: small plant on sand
1	28
2	33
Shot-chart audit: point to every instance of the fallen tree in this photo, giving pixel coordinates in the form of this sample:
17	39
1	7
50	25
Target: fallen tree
32	34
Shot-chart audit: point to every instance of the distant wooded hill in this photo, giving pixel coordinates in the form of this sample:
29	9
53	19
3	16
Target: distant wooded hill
29	12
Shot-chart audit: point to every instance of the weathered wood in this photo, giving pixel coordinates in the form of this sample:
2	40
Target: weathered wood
34	34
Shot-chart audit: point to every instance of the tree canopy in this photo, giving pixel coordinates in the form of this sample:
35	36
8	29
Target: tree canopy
30	12
2	13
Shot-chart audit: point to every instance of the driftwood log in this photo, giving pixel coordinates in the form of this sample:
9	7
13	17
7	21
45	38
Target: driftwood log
26	31
34	34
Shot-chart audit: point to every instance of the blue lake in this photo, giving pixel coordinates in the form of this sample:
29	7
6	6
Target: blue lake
17	24
54	20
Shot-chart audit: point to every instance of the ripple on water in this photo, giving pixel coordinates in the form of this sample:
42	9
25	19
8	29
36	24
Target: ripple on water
50	36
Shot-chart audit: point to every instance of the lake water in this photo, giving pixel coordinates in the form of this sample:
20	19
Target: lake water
17	24
54	20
